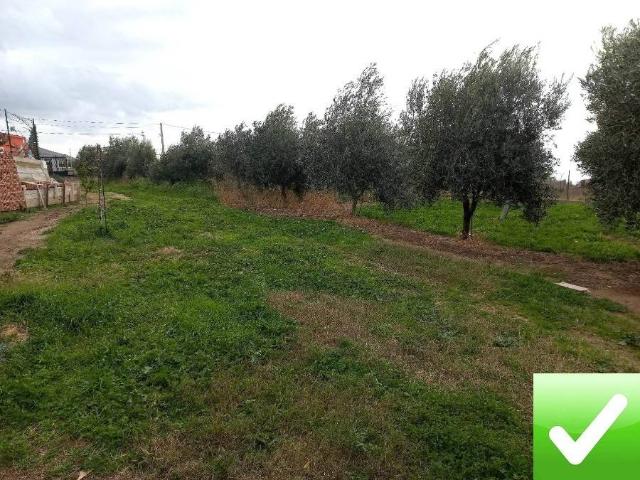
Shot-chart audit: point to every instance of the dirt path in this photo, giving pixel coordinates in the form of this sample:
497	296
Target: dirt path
618	281
28	233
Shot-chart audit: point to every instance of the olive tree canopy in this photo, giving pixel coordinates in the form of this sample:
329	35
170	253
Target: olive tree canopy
611	154
188	160
483	132
359	136
232	153
275	152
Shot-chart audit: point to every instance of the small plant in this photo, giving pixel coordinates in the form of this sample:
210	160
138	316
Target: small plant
506	340
86	166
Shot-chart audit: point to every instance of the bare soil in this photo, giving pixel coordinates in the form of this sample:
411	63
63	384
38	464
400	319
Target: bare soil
27	233
13	333
30	232
617	281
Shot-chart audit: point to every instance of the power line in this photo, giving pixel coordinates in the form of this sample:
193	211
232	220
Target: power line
189	128
100	122
97	126
24	124
90	133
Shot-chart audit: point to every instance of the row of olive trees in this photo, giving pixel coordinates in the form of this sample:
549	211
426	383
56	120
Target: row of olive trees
123	157
481	132
478	133
352	150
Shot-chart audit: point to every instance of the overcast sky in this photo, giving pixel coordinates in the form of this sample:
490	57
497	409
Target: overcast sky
219	63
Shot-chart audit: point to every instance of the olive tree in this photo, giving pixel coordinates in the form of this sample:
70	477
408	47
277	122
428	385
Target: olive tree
483	132
232	153
114	156
140	157
86	167
188	160
275	152
313	153
359	136
610	155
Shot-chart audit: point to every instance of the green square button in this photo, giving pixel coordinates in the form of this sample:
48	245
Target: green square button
586	426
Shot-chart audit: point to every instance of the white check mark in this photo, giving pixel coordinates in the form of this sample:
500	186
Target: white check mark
576	452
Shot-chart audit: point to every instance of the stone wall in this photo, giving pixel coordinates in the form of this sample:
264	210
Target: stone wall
11	195
46	195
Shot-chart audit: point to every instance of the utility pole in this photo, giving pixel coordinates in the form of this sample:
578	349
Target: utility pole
6	119
162	138
568	183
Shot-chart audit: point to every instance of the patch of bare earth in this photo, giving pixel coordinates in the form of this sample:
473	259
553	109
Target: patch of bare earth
326	320
12	333
169	252
28	233
616	281
92	197
316	204
14	474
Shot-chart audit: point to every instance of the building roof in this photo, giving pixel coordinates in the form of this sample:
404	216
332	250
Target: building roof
46	153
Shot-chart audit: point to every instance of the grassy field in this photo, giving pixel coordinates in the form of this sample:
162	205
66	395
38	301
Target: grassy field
570	228
196	341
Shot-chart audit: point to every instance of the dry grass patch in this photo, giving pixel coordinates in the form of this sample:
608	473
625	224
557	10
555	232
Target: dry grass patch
621	358
169	252
300	457
314	204
327	319
13	333
92	197
501	362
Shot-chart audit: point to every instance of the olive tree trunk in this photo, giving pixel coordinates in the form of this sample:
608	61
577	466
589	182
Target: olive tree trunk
469	208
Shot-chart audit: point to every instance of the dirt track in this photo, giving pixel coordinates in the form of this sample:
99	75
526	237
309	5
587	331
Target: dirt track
28	233
618	281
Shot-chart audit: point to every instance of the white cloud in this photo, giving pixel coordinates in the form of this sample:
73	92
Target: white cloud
219	63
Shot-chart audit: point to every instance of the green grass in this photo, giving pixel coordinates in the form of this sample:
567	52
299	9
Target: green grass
568	228
174	363
7	217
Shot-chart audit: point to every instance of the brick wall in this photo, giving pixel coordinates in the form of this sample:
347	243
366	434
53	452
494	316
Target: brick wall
11	195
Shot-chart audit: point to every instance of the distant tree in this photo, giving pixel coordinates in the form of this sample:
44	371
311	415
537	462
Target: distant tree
394	188
34	145
313	153
86	166
412	118
115	156
482	132
275	152
123	156
188	160
610	156
359	136
140	157
232	153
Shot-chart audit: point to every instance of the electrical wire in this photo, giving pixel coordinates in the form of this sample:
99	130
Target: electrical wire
24	125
